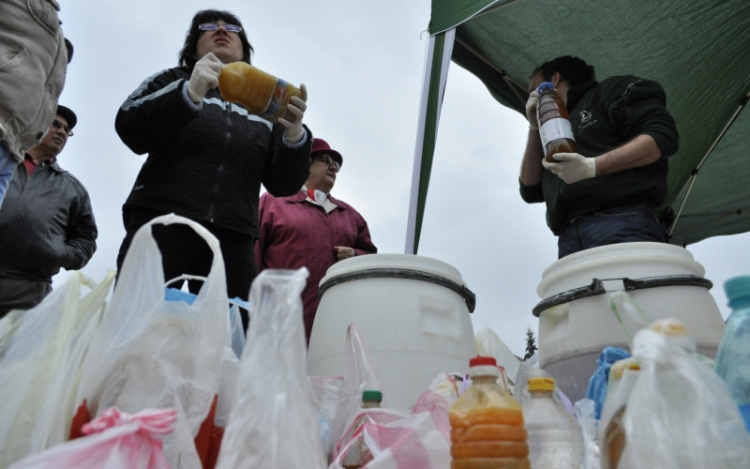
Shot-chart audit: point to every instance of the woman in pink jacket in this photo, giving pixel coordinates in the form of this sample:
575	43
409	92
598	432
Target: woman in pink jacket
311	228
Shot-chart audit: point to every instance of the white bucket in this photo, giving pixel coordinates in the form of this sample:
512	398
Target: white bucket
413	328
572	334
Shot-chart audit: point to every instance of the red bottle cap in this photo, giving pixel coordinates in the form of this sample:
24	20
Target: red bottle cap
482	361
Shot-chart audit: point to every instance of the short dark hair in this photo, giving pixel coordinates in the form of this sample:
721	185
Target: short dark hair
187	54
572	70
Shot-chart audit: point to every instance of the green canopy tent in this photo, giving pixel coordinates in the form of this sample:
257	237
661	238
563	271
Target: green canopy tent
698	50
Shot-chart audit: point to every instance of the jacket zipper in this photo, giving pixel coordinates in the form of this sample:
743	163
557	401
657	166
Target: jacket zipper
220	169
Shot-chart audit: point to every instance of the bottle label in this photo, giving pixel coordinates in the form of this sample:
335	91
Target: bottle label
280	97
554	129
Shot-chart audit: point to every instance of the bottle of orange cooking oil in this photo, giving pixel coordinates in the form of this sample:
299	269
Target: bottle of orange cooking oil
261	93
487	429
554	122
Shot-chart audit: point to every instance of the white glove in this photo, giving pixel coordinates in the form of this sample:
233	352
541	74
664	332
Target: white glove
531	110
572	167
205	76
297	107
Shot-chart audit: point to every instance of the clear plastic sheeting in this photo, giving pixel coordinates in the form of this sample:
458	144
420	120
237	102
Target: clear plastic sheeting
150	353
41	351
490	345
272	423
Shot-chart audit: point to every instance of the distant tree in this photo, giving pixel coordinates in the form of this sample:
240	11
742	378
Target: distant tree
530	344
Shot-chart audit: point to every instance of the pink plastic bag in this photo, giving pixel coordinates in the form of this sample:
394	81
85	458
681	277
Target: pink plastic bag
115	440
417	441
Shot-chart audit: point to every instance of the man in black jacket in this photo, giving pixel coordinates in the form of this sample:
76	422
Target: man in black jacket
609	190
46	221
207	157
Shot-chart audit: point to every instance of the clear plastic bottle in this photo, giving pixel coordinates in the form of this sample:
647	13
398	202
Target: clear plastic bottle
359	455
555	439
487	429
554	122
733	356
261	93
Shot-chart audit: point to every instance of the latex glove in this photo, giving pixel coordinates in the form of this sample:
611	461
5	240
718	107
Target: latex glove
343	252
572	167
205	76
297	107
531	105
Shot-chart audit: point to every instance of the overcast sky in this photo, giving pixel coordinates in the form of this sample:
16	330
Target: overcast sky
362	63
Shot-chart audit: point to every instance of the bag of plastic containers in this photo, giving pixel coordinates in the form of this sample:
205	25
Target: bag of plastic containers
42	352
150	353
272	424
116	440
680	413
554	436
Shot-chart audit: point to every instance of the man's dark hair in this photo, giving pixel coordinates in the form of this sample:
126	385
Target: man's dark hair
187	54
572	70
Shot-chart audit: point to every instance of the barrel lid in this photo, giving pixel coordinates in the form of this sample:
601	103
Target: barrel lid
737	287
394	261
372	395
545	86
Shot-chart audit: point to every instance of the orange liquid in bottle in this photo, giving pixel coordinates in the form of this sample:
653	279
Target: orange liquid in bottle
261	93
487	429
554	124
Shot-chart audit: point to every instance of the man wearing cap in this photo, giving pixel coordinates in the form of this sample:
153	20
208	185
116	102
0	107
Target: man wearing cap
46	221
311	229
33	59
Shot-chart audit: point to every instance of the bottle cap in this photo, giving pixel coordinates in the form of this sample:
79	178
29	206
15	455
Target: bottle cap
541	384
482	361
547	85
372	395
737	288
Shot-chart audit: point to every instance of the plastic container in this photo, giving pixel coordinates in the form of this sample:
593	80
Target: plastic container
487	429
733	356
622	377
414	329
572	335
359	455
261	93
554	436
554	123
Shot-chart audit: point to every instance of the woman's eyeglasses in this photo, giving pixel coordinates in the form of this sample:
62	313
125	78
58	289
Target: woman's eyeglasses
230	28
59	125
328	161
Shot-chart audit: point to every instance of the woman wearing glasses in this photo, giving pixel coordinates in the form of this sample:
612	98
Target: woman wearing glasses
311	228
206	157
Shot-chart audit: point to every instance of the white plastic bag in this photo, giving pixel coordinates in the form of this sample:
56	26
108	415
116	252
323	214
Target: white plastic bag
43	349
324	393
150	353
585	414
271	425
680	414
359	375
116	440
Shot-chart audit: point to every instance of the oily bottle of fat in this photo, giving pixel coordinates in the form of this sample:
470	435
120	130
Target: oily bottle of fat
487	430
554	123
261	93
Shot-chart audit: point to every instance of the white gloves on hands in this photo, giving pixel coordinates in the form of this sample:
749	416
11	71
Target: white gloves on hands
205	76
297	107
531	105
572	167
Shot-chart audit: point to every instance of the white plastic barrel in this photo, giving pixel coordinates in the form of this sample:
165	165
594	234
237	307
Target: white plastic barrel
572	334
412	327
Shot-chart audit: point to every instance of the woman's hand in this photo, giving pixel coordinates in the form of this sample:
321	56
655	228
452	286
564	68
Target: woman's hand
205	76
297	107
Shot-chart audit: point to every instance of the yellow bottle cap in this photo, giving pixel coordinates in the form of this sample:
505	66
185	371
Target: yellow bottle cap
541	384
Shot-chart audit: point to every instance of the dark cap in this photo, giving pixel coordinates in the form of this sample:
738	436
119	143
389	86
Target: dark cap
69	115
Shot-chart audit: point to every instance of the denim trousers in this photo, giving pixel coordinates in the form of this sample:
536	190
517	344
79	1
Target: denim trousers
624	224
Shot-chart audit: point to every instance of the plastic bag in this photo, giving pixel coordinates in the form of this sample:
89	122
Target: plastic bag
272	425
359	374
324	393
43	349
597	388
585	409
395	441
680	413
490	345
150	353
117	440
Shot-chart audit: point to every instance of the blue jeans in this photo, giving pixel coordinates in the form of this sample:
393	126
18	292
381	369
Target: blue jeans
7	165
625	224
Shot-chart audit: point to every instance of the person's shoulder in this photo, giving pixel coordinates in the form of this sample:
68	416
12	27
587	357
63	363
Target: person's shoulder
72	180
